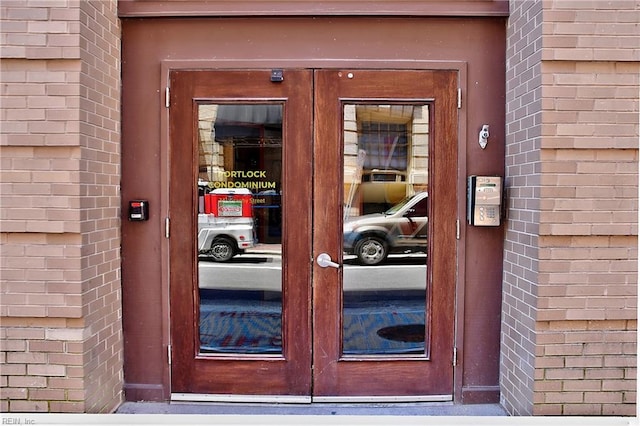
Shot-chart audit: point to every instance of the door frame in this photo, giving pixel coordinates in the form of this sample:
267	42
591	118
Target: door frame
166	66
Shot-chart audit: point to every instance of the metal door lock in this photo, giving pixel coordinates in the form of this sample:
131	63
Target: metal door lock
324	261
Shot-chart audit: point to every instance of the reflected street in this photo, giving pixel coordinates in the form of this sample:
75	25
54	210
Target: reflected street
263	272
383	305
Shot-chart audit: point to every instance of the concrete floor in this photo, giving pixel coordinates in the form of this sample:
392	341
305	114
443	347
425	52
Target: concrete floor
314	409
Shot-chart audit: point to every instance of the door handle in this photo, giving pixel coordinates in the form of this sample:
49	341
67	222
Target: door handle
324	260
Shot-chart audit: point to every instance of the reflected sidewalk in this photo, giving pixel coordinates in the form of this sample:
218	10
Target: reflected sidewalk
263	248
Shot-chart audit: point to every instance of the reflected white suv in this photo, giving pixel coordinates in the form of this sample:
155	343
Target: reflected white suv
401	229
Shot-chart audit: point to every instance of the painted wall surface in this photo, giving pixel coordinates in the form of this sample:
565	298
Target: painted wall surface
152	46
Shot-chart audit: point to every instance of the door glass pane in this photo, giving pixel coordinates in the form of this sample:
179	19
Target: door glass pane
239	228
386	157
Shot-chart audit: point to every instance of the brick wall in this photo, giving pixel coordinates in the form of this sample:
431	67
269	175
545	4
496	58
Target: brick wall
59	229
522	168
575	305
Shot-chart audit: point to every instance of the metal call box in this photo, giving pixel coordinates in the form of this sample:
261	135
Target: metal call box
484	198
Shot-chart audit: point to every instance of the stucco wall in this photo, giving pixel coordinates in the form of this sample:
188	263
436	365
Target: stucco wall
571	250
60	239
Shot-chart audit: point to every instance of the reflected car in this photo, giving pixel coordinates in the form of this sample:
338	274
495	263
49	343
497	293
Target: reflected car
401	229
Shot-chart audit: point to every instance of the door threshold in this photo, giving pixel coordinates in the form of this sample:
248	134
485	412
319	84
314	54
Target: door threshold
303	399
281	399
380	399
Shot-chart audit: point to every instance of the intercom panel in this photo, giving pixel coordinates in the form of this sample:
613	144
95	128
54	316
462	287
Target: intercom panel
484	198
138	210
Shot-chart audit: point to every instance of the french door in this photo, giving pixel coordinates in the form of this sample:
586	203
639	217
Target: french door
312	234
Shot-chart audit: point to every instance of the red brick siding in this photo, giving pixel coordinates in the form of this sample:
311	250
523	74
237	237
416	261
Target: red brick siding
571	263
520	285
60	158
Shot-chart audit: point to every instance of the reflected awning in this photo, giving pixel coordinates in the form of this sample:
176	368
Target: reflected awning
246	121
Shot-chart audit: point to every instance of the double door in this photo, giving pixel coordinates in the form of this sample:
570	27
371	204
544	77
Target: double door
312	234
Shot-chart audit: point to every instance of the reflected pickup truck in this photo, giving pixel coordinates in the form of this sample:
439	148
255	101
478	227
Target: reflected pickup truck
222	238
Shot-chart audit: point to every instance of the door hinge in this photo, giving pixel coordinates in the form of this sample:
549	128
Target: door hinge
169	354
167	97
457	229
459	98
166	227
455	356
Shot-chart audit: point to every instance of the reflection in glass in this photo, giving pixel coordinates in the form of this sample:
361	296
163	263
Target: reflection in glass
386	157
239	228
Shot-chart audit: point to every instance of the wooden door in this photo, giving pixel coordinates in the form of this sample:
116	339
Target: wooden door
384	329
240	315
270	172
